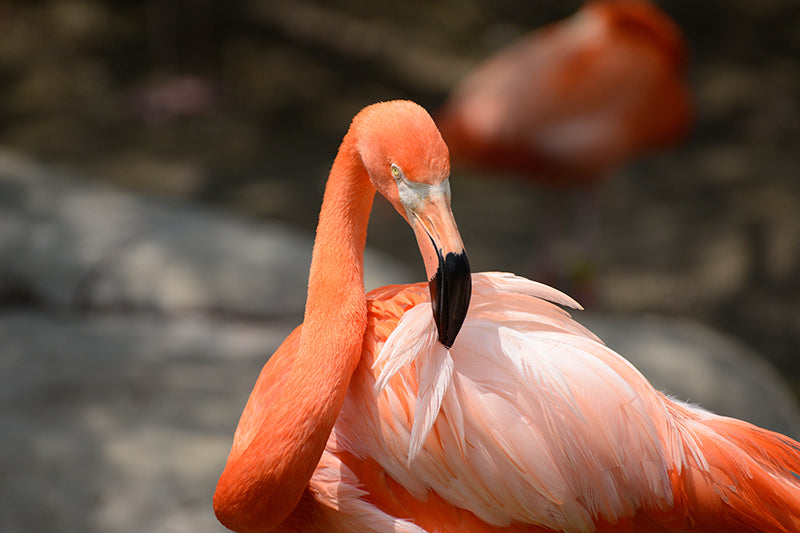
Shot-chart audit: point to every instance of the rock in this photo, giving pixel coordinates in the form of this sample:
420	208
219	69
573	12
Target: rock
695	363
121	423
66	243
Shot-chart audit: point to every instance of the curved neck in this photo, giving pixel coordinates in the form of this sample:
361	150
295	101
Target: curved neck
336	276
282	434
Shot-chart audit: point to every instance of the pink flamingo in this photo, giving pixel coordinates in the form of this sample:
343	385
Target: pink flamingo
471	404
569	104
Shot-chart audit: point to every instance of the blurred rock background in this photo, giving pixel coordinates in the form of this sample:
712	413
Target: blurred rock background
163	161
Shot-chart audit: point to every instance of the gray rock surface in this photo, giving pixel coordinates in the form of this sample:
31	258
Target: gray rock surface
69	243
120	423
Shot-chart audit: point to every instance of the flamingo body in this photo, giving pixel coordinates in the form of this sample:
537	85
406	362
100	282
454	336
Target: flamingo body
366	420
524	432
568	104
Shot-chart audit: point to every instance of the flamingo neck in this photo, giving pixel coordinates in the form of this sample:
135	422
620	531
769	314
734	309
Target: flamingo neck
281	438
336	278
336	308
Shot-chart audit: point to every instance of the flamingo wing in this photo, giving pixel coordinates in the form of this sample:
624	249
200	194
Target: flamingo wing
529	419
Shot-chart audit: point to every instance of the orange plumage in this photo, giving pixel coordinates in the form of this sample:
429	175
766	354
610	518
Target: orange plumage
402	411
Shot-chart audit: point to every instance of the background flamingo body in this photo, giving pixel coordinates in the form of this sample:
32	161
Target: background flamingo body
528	423
568	104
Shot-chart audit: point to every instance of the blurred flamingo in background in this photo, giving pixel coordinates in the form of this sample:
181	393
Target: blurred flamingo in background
570	103
399	411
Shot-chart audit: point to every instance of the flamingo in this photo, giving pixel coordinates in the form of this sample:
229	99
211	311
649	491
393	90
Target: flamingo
474	402
569	104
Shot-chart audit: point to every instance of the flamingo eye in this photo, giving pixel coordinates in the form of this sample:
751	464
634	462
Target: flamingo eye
395	171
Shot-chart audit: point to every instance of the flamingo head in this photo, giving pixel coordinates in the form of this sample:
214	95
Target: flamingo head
408	163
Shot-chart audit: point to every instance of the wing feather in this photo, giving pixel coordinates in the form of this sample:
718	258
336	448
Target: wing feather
530	419
522	396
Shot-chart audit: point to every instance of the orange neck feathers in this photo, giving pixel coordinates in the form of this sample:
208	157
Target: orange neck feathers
259	488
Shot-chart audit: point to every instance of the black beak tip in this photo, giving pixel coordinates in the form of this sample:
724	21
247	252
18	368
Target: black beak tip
451	289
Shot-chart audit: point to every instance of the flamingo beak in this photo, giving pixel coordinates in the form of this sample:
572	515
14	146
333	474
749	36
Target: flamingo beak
428	211
451	288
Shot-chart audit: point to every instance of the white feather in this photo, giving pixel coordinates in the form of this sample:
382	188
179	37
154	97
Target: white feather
404	345
434	373
528	418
